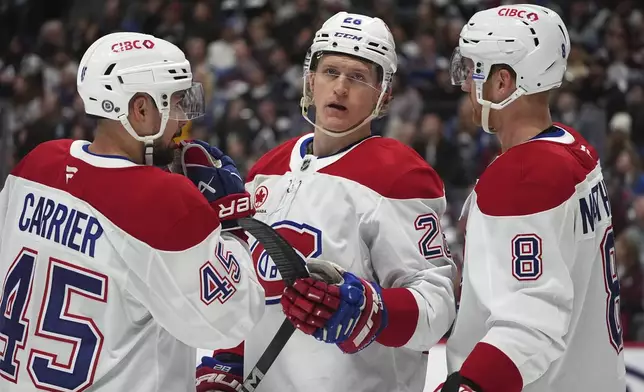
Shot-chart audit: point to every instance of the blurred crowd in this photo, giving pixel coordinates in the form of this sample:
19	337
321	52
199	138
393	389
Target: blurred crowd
248	54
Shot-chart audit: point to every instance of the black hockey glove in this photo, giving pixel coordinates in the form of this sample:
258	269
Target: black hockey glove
457	383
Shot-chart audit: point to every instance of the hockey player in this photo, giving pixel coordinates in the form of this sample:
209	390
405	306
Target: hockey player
370	205
539	309
114	271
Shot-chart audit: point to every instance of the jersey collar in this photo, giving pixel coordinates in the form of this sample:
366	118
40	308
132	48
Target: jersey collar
80	150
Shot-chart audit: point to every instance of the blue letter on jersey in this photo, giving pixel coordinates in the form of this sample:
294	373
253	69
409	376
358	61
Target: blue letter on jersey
67	283
213	286
589	206
430	224
59	223
13	324
526	257
611	281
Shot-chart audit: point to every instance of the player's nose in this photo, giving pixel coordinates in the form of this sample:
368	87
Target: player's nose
182	122
341	85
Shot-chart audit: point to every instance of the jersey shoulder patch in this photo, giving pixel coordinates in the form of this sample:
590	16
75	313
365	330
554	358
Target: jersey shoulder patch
389	168
534	177
275	162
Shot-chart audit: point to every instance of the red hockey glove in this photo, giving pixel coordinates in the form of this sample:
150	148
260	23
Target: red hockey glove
336	306
221	373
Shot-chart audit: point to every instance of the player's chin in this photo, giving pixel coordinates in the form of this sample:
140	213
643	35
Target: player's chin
336	124
163	152
338	127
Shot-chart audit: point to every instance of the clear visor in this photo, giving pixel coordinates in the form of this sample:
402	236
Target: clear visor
188	104
353	79
460	68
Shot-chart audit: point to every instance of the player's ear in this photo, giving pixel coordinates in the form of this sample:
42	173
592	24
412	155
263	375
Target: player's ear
143	114
505	81
138	108
311	81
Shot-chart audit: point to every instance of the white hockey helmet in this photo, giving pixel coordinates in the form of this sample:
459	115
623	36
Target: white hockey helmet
531	39
117	66
358	36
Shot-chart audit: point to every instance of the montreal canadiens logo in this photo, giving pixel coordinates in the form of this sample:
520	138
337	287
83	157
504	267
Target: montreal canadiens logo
307	241
261	194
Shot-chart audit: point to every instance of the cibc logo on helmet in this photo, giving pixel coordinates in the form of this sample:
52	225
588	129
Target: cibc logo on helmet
130	45
517	13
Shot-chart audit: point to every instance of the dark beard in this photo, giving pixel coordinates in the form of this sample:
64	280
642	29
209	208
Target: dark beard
162	155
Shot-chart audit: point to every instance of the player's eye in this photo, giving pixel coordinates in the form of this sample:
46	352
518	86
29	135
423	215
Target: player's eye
358	76
332	72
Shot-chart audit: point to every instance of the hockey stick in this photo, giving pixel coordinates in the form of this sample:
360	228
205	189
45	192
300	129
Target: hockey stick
291	267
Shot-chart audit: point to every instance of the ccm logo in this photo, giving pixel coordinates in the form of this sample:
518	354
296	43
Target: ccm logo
238	207
348	36
522	14
129	45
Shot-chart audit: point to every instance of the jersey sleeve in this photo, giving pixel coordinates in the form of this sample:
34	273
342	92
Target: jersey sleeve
413	264
206	295
520	235
522	281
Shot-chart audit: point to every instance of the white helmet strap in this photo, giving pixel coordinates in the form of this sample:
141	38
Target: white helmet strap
148	153
339	134
148	141
485	116
489	105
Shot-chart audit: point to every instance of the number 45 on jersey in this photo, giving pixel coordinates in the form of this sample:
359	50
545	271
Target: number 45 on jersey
55	322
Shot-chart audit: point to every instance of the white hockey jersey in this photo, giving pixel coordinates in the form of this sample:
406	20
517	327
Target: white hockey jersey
374	209
112	272
539	306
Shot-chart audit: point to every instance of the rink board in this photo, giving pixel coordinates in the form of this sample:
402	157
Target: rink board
437	370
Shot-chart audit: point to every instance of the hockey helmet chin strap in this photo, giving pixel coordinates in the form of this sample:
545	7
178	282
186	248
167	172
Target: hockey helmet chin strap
485	117
489	105
148	153
148	141
374	114
338	134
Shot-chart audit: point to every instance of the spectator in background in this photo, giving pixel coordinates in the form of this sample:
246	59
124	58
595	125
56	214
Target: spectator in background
629	171
172	27
407	106
585	117
635	232
635	108
629	270
476	147
441	153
